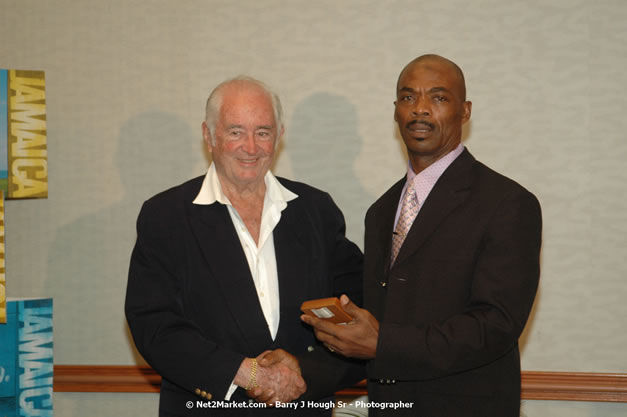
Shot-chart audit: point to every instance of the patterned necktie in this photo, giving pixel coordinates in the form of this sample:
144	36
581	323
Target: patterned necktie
409	210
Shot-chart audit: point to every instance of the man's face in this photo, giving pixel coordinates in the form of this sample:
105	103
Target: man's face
245	136
430	109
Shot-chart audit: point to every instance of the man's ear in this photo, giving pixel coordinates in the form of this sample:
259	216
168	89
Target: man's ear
466	111
281	132
206	135
279	136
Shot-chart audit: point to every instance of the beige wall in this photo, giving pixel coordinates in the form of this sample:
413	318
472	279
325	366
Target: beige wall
126	85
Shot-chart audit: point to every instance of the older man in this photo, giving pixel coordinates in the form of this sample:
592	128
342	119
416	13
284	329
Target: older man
451	266
223	262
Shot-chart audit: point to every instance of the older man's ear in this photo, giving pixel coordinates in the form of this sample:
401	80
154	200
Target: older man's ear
206	135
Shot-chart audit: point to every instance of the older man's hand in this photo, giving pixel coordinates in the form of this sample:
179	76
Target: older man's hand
278	378
357	339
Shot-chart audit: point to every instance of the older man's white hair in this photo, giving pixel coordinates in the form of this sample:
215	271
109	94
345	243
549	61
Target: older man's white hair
214	103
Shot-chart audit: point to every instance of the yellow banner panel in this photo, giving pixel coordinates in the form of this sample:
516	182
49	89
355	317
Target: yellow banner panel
27	150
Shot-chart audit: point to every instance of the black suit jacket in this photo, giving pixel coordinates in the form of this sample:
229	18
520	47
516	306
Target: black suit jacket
458	296
191	303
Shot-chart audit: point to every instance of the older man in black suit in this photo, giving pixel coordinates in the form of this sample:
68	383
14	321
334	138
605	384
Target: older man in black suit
223	262
451	267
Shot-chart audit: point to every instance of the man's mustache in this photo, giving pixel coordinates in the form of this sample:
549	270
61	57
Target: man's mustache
414	124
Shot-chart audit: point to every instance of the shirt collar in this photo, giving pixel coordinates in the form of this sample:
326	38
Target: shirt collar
436	169
211	190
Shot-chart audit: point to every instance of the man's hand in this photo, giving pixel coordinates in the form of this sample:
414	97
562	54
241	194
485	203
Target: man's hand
273	357
278	378
357	339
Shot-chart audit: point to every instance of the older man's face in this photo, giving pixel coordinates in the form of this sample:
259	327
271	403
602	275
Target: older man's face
245	136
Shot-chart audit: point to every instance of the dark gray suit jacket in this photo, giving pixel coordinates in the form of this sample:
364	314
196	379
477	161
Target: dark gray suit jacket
455	302
192	306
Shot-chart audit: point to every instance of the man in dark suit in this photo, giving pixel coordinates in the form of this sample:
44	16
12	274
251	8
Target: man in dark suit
451	267
223	262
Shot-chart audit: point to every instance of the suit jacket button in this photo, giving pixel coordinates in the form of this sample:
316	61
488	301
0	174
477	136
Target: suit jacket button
203	394
384	284
380	381
208	396
310	348
197	391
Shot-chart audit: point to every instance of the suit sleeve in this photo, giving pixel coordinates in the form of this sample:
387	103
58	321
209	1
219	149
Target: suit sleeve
502	280
170	342
323	371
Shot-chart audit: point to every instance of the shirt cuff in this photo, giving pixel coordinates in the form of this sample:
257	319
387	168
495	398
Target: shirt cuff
230	392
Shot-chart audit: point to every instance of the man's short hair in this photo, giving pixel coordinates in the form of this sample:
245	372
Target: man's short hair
433	57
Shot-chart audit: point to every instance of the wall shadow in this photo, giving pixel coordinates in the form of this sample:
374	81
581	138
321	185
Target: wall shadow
323	145
89	257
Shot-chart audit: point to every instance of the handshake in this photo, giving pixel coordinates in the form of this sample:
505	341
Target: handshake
274	376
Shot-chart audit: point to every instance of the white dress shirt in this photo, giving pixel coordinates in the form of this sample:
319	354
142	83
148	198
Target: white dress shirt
261	257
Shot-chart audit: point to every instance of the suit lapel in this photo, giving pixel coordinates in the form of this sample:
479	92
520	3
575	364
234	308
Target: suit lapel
386	226
292	260
448	193
218	241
